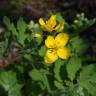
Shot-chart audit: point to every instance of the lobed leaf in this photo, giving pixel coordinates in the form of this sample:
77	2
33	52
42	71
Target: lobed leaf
21	26
42	51
9	82
78	45
58	82
10	25
87	79
73	66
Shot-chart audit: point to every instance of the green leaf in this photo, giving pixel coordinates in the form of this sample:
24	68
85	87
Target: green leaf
78	45
10	25
57	66
13	29
6	21
9	82
42	51
87	72
58	82
15	91
21	26
28	56
36	75
87	79
73	66
59	18
59	85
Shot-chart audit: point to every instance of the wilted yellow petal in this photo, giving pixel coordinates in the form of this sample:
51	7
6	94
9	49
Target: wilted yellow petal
41	22
50	56
50	42
59	27
61	39
63	53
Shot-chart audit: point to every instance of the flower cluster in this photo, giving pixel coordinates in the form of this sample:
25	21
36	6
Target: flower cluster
56	44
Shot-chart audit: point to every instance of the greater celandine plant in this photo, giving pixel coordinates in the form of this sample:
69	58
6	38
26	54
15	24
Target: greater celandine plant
52	58
55	42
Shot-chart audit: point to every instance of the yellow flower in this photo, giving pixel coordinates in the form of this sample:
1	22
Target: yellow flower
50	25
56	48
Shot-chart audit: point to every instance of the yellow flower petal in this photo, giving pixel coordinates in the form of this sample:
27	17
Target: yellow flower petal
59	27
50	56
50	24
61	39
48	28
52	21
41	22
63	53
50	42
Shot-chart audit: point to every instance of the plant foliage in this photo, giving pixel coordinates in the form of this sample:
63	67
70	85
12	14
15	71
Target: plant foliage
44	67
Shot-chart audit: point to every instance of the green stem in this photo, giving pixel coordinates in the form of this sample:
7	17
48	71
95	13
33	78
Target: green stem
47	83
45	80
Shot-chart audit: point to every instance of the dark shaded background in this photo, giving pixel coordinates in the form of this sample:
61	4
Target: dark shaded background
36	8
